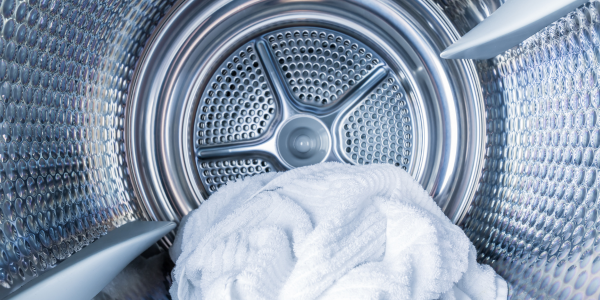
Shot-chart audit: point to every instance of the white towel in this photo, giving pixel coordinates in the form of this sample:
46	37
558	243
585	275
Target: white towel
328	231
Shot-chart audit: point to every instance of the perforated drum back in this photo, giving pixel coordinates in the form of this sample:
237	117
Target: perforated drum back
318	69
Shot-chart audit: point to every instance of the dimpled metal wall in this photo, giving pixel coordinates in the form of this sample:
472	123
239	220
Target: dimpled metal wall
535	216
65	67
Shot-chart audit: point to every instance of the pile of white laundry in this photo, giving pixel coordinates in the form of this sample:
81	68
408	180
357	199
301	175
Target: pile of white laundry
328	231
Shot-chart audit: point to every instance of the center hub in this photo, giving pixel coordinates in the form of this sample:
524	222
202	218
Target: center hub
303	140
303	144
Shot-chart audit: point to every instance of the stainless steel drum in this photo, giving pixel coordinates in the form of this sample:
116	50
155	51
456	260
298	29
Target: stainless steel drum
91	137
65	67
228	89
466	14
535	215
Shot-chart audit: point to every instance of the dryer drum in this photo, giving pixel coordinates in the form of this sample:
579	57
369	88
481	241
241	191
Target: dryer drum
116	111
231	89
227	89
65	68
535	215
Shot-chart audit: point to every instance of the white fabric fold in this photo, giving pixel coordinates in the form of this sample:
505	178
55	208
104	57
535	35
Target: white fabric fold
328	231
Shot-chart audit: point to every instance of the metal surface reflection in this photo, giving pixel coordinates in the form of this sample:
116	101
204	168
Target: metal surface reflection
65	68
185	92
535	216
466	14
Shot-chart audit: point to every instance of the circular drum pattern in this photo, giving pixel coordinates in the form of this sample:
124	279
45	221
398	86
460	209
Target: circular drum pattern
218	82
535	216
65	68
321	71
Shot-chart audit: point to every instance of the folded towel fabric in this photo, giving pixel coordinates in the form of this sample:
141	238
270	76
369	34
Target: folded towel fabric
327	231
